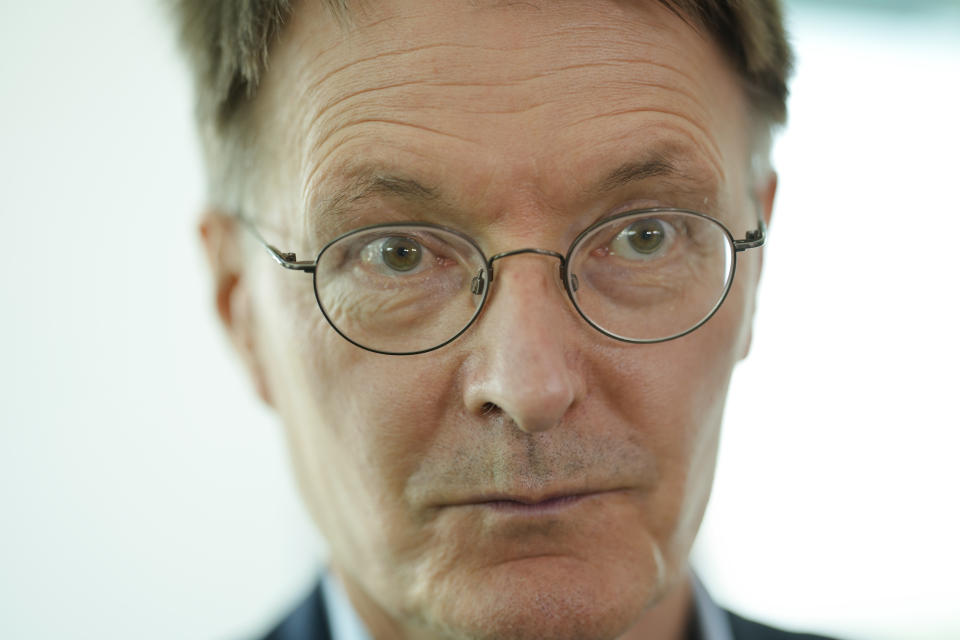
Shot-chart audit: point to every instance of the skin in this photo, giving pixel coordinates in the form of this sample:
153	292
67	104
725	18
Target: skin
513	114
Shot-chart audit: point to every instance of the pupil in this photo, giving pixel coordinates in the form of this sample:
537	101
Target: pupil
646	236
401	254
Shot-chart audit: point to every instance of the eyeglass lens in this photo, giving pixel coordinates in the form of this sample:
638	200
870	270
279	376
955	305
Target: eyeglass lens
409	288
651	278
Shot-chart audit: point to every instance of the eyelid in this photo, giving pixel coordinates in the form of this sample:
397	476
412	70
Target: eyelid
617	229
640	205
630	207
374	247
634	205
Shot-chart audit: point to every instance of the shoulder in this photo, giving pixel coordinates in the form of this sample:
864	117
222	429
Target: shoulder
744	629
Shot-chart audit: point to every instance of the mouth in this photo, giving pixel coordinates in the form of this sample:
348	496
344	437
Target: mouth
533	505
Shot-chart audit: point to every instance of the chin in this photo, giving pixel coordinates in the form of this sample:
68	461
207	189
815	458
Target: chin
544	598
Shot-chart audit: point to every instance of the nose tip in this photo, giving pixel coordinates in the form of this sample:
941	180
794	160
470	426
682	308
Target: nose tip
533	390
539	402
526	351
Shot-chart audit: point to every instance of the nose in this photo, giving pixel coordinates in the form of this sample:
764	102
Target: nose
525	360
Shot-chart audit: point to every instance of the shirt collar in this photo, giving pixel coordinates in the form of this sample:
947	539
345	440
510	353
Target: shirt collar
344	622
711	621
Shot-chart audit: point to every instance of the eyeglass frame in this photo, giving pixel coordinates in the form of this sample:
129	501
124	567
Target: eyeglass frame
753	239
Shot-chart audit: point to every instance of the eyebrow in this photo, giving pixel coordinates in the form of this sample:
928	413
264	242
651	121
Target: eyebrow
373	181
630	172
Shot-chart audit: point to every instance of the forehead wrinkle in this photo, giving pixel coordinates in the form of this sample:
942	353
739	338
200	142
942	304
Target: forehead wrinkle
313	149
333	94
466	83
339	100
623	62
575	34
318	88
515	105
351	159
316	84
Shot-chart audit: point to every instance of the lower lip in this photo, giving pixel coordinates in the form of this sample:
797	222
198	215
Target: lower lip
546	507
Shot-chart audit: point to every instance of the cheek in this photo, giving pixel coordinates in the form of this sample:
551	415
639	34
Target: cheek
675	391
357	424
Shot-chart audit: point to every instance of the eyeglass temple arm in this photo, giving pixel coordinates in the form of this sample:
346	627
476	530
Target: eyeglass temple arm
283	258
754	238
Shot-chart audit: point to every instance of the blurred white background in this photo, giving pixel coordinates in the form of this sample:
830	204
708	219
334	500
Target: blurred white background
144	492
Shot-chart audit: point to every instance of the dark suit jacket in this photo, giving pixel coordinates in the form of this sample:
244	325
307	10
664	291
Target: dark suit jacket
309	622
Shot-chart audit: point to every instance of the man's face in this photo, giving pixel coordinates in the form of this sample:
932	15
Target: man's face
415	468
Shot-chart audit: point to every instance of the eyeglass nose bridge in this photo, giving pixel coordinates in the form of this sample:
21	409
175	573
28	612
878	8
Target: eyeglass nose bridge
478	284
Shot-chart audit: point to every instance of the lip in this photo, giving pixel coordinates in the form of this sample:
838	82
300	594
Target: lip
533	505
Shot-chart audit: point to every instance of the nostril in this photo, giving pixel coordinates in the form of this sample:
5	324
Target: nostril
489	408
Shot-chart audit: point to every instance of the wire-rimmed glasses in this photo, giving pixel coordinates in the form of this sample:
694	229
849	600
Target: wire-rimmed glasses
644	276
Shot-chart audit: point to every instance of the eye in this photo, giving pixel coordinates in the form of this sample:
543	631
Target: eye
642	240
393	254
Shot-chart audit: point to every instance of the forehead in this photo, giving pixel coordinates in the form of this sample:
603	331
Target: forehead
549	98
